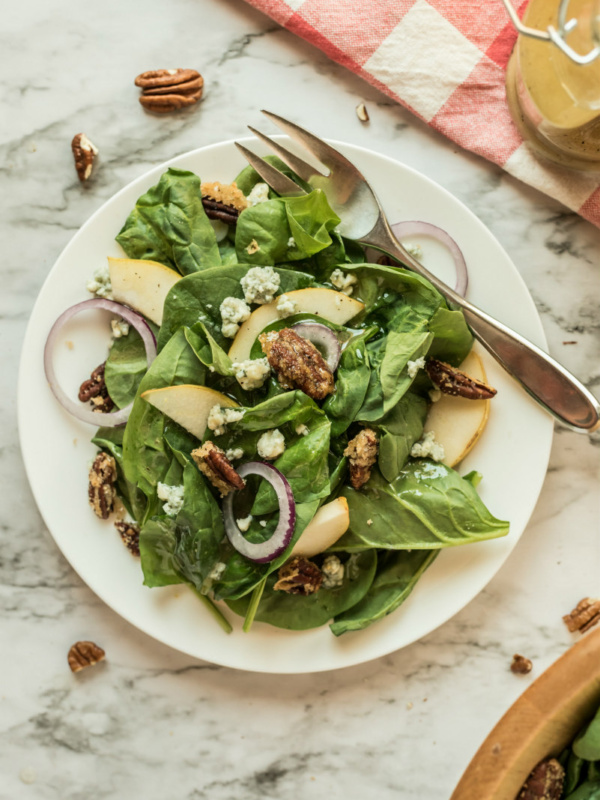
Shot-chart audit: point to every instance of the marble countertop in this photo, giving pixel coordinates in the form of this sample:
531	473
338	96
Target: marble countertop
150	722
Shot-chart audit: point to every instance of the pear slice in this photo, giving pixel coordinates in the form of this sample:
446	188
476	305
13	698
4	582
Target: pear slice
142	285
328	524
457	422
333	306
187	404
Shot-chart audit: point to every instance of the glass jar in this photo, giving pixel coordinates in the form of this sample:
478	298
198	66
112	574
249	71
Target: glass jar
554	99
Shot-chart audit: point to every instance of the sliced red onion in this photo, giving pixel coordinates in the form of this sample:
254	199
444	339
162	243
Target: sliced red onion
263	552
321	336
79	410
416	228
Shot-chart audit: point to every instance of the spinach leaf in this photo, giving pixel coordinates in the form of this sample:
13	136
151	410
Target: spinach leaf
126	365
169	225
587	743
398	431
428	506
386	290
573	773
396	576
198	298
587	791
207	350
453	339
351	383
227	251
298	613
401	348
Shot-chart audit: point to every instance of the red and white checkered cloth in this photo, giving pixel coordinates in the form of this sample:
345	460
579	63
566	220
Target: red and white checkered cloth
444	60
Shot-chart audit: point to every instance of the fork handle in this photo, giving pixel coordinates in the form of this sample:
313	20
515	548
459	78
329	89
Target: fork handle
547	381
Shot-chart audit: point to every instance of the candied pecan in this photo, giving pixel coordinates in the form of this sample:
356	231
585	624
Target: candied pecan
84	153
165	90
101	490
220	211
84	654
545	782
297	363
520	665
584	616
225	194
299	576
219	470
450	380
130	534
95	391
362	454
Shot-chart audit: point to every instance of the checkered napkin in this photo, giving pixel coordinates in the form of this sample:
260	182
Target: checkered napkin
445	61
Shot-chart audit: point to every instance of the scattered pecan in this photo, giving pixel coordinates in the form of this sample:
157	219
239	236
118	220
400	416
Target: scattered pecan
299	576
130	534
545	782
584	616
450	380
520	665
84	654
219	470
101	490
220	211
84	153
165	90
94	390
297	363
362	454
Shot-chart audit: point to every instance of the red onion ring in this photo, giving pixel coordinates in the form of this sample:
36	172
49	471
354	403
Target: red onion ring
416	228
83	413
321	335
263	552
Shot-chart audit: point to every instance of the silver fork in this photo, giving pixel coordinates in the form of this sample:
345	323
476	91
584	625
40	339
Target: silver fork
364	220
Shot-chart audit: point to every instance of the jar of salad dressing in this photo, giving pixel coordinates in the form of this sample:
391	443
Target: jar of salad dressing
553	80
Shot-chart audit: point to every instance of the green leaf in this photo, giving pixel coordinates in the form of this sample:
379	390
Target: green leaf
428	506
351	383
207	350
169	225
588	791
587	743
396	576
126	365
453	339
398	431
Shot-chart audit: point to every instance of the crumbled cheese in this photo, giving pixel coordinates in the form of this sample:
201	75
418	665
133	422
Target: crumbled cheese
414	366
260	285
173	495
271	444
119	328
217	571
100	285
428	448
218	418
343	281
291	243
414	250
259	194
286	306
333	572
253	247
369	522
263	523
244	524
301	430
434	395
233	312
251	374
234	454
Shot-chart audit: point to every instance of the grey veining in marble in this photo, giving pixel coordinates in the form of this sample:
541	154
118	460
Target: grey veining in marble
150	722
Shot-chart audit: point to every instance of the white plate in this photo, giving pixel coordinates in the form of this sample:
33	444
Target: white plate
512	454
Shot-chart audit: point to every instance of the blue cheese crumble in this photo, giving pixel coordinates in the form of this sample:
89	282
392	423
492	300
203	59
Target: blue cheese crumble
260	285
244	524
100	285
251	374
333	572
271	444
173	495
233	312
286	306
301	430
234	454
428	448
258	194
218	418
412	367
343	281
119	328
291	242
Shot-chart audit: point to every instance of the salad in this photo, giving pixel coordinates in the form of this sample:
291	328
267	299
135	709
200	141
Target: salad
279	417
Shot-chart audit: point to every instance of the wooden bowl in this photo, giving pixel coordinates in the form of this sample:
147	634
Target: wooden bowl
541	723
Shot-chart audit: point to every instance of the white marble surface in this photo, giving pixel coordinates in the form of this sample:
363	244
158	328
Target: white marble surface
150	722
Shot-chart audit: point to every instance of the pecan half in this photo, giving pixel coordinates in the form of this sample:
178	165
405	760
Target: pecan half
84	153
223	201
584	616
220	211
101	490
362	454
299	576
219	470
520	665
130	534
545	782
165	90
297	363
84	654
450	380
94	390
